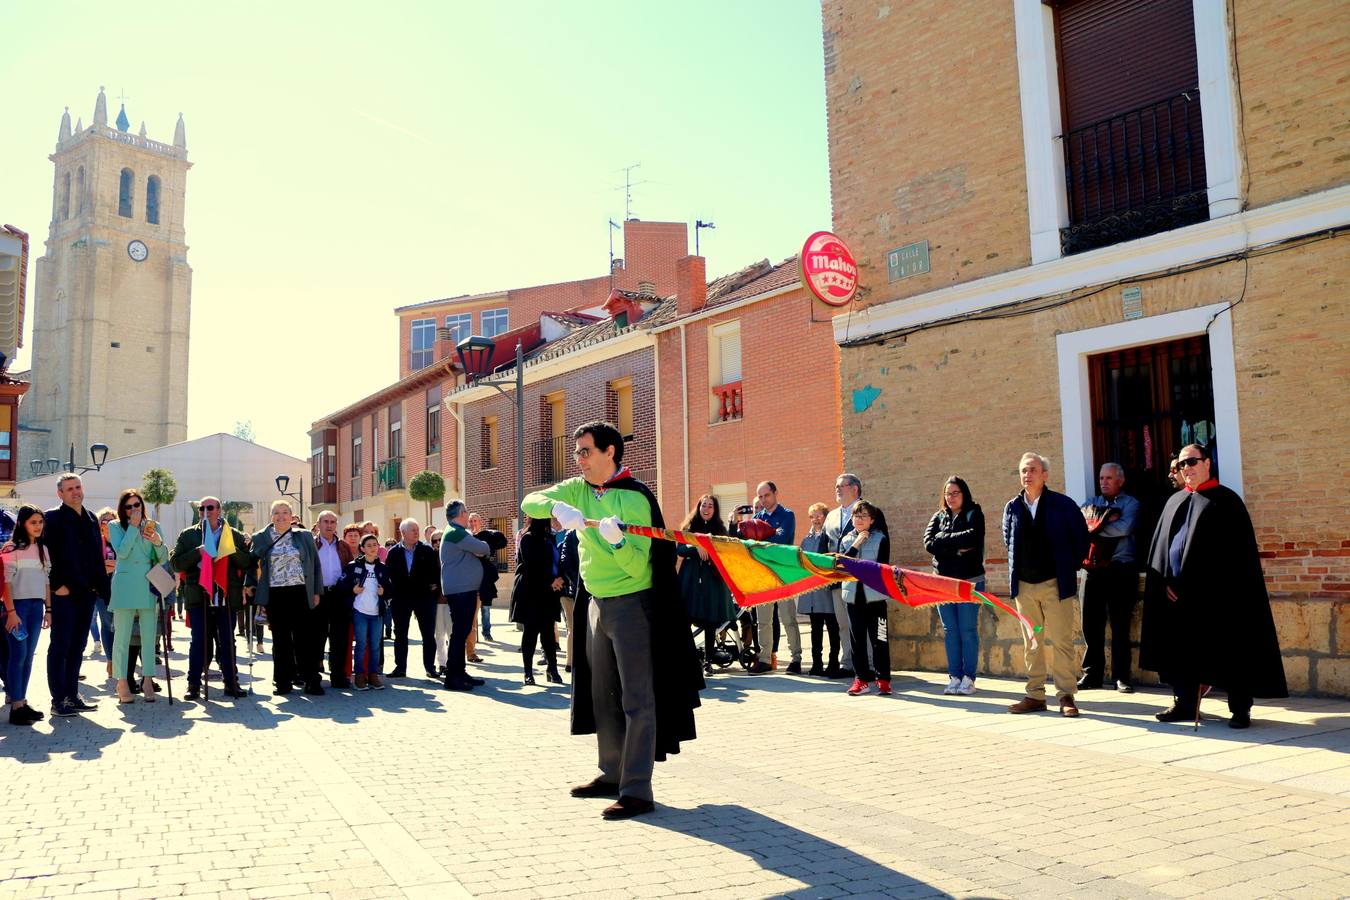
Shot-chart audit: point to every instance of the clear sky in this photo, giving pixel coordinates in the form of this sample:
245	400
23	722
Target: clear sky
350	158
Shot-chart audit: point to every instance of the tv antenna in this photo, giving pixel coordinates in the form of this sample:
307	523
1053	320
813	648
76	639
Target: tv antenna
628	185
699	225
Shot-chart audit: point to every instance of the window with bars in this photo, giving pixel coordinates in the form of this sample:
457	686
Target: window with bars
488	450
422	346
724	372
433	420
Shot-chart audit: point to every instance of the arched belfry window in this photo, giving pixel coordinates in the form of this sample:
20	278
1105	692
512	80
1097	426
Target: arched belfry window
65	196
152	200
79	192
124	193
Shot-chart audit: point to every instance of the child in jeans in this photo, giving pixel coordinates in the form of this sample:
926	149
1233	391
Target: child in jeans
27	610
367	580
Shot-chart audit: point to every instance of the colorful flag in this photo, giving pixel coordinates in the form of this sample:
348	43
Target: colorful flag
759	572
215	560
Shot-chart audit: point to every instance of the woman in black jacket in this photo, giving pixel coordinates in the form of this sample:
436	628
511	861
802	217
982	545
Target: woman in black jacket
534	596
955	537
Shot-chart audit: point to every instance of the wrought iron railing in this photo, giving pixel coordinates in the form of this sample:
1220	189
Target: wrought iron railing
389	474
551	459
1135	174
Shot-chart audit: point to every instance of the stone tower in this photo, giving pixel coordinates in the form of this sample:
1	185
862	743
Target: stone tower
113	295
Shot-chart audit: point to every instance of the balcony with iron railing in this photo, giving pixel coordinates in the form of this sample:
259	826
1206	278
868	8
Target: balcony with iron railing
729	402
551	459
389	474
1135	174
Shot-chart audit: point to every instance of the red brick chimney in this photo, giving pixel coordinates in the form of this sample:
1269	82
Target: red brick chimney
691	284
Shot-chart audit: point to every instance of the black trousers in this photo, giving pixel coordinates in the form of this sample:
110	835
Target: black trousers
867	627
339	617
212	638
65	648
1185	694
543	633
425	610
1109	594
317	636
830	624
289	615
462	608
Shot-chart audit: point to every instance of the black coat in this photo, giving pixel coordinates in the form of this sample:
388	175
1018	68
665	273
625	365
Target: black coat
677	676
75	546
1220	630
419	587
533	599
948	535
569	567
487	591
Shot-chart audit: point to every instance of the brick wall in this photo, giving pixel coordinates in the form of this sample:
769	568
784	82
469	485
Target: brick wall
789	433
650	250
925	137
968	399
490	492
1294	61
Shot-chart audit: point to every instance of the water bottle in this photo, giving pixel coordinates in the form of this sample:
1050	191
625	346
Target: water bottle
20	633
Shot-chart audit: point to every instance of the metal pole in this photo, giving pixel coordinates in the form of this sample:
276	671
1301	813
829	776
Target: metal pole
520	436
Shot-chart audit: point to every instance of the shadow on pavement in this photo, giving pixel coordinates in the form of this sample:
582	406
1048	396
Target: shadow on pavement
822	866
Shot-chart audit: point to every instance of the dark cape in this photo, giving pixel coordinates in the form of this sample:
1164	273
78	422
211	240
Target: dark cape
1220	630
677	676
533	599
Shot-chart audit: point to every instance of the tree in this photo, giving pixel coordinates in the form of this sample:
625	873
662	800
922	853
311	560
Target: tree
232	510
244	431
157	487
429	487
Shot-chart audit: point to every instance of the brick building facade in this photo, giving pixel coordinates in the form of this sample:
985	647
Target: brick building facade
1056	316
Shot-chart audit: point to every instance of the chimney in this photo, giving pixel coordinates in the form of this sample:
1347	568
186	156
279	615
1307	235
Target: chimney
691	284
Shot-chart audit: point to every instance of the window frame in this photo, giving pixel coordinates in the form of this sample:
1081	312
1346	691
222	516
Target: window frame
425	327
492	315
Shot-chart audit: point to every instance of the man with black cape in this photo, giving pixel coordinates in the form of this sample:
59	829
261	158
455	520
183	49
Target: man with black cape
636	675
1207	618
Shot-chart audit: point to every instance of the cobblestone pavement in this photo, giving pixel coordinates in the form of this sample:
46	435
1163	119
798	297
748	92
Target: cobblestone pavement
793	788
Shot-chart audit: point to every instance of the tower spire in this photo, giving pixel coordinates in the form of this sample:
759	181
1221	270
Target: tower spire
65	126
101	109
180	133
123	123
142	128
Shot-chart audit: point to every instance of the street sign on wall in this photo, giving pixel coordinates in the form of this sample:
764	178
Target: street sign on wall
911	259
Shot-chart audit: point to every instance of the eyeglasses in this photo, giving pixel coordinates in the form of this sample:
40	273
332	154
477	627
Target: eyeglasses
583	452
209	507
1189	461
953	493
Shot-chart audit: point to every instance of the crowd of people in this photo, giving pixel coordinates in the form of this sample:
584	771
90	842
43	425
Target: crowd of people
341	589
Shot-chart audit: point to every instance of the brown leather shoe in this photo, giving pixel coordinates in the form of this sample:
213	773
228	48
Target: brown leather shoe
375	681
1068	708
597	787
1027	705
627	807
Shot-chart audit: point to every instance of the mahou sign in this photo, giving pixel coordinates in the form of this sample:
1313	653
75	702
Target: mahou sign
828	269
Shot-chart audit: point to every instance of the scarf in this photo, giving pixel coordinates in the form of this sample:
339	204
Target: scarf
215	559
1212	483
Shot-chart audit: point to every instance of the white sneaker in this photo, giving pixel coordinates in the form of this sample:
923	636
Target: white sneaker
953	683
967	686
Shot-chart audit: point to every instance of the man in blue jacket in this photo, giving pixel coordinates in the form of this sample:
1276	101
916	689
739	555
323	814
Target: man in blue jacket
1047	540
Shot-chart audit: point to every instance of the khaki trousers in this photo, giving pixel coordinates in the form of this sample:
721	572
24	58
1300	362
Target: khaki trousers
1042	604
787	620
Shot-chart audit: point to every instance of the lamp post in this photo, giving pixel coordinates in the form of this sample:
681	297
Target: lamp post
98	455
475	355
283	482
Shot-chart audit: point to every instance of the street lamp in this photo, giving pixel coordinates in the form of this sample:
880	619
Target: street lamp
98	455
475	355
283	482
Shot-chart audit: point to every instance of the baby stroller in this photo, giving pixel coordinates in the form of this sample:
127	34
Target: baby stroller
727	648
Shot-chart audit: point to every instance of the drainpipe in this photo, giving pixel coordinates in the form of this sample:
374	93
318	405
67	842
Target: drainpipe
684	409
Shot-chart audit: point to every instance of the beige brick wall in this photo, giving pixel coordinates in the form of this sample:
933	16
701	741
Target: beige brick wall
968	399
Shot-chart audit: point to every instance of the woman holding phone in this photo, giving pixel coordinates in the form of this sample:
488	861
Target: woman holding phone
139	547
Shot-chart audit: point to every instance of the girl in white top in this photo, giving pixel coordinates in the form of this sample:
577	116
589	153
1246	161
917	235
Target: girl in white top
28	610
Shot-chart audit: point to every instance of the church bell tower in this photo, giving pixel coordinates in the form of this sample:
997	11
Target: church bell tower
113	295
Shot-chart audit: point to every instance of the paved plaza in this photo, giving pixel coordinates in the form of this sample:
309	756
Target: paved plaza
793	788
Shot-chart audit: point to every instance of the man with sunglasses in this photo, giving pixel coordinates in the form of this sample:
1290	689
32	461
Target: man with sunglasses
213	601
1207	619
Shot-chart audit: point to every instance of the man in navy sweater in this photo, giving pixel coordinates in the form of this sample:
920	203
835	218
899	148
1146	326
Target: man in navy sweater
1047	540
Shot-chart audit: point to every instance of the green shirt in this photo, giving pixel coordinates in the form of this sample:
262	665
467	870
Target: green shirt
608	571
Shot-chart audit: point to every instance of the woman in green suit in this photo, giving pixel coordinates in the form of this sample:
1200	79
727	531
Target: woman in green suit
139	546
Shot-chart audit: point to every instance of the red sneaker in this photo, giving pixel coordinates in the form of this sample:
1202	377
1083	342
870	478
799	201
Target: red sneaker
859	687
883	687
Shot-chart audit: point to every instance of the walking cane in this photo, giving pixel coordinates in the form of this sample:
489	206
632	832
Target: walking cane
1199	692
164	641
206	648
248	626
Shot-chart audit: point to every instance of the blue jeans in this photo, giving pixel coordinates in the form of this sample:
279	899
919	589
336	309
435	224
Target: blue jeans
21	652
368	631
461	623
102	617
485	617
961	627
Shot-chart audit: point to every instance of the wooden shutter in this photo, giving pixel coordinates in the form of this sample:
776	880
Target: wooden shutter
1118	55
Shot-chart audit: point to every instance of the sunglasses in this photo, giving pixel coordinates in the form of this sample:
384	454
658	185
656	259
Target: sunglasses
1189	461
209	507
133	506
